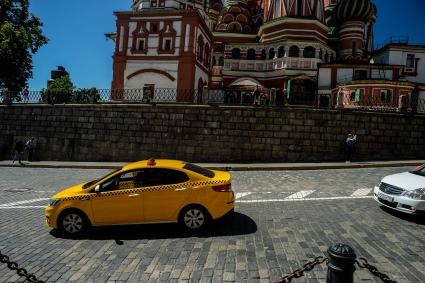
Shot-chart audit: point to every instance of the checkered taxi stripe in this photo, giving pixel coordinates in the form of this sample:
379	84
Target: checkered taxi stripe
127	187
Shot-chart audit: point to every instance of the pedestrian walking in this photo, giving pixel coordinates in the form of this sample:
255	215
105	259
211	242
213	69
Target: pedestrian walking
350	148
30	145
19	148
26	93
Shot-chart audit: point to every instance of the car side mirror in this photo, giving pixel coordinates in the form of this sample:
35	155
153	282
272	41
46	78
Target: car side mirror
97	189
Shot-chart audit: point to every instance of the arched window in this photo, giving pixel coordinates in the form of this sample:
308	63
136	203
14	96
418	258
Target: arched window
207	55
221	61
200	48
281	52
300	8
250	54
294	51
309	52
236	53
353	48
263	54
271	53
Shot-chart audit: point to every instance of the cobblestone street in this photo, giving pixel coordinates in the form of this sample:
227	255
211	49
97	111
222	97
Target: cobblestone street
283	219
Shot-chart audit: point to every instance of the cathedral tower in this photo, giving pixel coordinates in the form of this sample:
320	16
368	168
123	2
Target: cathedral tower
352	17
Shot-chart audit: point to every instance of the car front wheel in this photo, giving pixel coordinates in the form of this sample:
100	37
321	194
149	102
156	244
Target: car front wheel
193	218
73	223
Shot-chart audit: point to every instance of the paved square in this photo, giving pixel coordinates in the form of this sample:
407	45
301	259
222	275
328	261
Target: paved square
283	219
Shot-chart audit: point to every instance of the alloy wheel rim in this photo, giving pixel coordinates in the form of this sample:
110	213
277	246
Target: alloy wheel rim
72	223
194	218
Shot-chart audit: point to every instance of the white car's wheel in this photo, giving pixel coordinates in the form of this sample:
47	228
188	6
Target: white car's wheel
193	218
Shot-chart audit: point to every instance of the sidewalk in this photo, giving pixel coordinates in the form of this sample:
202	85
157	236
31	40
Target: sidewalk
225	166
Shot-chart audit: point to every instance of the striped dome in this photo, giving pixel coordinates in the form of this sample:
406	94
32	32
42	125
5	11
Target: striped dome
353	10
235	17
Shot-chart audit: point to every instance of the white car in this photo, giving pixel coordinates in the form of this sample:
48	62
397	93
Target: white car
403	192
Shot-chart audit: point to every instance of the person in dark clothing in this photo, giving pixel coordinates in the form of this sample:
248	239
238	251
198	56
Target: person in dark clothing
30	145
350	143
19	148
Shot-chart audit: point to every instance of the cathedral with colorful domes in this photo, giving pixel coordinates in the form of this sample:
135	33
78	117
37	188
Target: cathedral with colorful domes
303	50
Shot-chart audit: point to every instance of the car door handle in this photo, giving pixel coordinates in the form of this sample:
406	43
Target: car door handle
180	189
133	195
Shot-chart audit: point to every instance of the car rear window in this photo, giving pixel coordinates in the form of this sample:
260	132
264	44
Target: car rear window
198	169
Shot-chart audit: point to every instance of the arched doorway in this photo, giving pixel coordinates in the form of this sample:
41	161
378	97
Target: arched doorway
301	90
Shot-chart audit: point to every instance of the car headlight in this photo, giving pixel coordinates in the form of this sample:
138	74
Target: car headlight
54	201
415	194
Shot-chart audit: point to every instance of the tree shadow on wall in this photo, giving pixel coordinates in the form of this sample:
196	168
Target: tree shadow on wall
230	225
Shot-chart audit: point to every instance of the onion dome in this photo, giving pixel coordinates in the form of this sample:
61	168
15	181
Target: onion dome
353	10
235	17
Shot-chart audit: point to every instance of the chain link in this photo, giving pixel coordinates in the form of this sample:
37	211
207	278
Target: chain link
297	273
20	271
374	270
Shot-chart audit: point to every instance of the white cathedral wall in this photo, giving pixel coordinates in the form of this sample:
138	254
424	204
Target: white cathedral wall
160	81
344	75
325	77
199	73
399	57
421	106
153	40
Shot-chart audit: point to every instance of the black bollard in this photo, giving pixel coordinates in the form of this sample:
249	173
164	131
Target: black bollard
341	264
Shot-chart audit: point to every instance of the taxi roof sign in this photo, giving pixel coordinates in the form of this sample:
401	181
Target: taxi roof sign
151	161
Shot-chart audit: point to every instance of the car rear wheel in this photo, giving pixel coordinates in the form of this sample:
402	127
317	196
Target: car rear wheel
194	217
73	222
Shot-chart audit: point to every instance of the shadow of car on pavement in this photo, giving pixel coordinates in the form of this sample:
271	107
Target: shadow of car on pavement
230	225
417	219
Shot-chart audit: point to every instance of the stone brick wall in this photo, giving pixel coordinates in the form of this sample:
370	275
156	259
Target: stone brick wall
207	133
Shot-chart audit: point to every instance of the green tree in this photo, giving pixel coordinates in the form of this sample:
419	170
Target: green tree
86	95
60	90
20	37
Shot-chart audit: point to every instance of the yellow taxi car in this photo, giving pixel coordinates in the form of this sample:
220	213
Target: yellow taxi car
149	191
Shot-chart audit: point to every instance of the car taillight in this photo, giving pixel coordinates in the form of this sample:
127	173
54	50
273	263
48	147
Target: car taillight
223	188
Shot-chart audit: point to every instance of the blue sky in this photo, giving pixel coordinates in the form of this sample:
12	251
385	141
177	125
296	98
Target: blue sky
76	35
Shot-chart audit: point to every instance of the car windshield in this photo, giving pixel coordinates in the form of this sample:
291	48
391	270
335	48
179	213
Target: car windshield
198	169
85	186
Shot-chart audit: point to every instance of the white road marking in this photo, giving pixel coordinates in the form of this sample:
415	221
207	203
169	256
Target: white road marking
361	192
243	194
29	206
301	199
23	202
299	195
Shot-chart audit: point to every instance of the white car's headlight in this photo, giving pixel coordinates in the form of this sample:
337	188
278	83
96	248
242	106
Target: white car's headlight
415	194
54	201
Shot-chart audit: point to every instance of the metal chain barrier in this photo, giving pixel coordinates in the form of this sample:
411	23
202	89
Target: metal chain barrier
20	271
374	270
297	273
